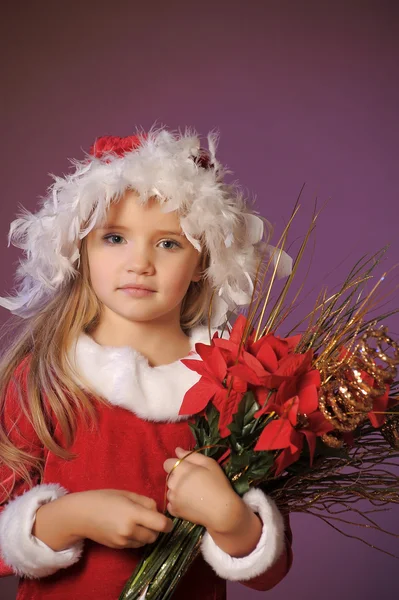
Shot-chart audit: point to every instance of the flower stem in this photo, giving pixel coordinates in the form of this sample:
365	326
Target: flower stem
165	563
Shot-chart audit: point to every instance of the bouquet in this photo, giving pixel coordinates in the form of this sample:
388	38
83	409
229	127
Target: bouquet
309	418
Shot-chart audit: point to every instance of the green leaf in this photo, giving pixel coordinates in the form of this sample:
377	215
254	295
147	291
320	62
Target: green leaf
251	407
244	417
260	467
213	415
241	485
239	461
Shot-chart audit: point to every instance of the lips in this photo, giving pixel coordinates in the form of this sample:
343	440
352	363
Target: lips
132	286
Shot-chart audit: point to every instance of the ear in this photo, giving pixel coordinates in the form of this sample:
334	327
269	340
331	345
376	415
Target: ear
197	275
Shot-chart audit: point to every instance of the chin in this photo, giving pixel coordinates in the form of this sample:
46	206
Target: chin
142	316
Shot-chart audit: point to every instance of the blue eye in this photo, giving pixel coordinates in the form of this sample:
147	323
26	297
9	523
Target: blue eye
175	244
112	235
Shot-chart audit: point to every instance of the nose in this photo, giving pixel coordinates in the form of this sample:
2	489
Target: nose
140	260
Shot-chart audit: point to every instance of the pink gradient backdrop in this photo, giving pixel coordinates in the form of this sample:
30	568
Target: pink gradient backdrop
300	91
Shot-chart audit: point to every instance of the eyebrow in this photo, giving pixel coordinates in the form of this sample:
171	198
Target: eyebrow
111	226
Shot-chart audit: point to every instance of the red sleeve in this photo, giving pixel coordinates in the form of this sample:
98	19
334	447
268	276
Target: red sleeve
20	431
279	570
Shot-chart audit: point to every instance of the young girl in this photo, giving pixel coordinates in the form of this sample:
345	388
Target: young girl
123	260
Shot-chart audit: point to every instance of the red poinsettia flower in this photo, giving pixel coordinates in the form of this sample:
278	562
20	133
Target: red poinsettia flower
293	378
264	363
296	403
229	367
280	346
216	385
287	434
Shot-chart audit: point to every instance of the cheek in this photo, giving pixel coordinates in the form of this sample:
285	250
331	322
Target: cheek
178	278
100	272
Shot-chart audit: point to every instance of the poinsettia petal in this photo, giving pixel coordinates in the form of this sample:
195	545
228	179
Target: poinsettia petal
244	374
275	435
291	410
238	329
311	439
296	441
319	424
197	397
226	344
305	366
285	459
267	357
295	364
196	365
310	378
227	411
286	390
238	384
219	399
254	364
290	364
213	358
293	341
274	381
277	344
261	395
280	346
308	400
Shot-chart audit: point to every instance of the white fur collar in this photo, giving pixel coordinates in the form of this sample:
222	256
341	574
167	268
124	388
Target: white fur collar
123	376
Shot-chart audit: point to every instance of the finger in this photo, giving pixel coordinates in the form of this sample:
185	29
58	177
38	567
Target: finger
170	510
133	544
180	452
140	540
152	519
170	463
143	535
142	500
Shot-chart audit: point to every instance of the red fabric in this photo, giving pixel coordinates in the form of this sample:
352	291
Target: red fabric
121	145
115	144
121	452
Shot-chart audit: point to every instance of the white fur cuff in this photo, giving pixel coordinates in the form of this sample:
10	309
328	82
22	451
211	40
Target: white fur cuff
23	552
269	548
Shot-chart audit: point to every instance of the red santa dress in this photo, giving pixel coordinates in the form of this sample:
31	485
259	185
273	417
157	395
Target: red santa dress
137	430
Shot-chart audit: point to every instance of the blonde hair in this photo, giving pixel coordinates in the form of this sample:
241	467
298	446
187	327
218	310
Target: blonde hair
51	387
52	393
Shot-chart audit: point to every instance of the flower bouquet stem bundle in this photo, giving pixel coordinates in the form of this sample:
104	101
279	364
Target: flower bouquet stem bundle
311	419
165	562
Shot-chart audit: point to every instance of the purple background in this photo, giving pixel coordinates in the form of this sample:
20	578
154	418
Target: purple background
300	91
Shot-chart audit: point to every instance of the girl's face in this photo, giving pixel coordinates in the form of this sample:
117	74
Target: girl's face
141	245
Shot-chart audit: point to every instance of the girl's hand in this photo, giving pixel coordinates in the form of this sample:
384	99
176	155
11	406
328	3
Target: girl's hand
121	519
199	491
114	518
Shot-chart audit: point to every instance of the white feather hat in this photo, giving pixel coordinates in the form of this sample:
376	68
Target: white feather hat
170	166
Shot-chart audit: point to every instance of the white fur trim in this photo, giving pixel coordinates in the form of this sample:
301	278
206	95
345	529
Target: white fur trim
23	552
123	376
267	551
165	165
